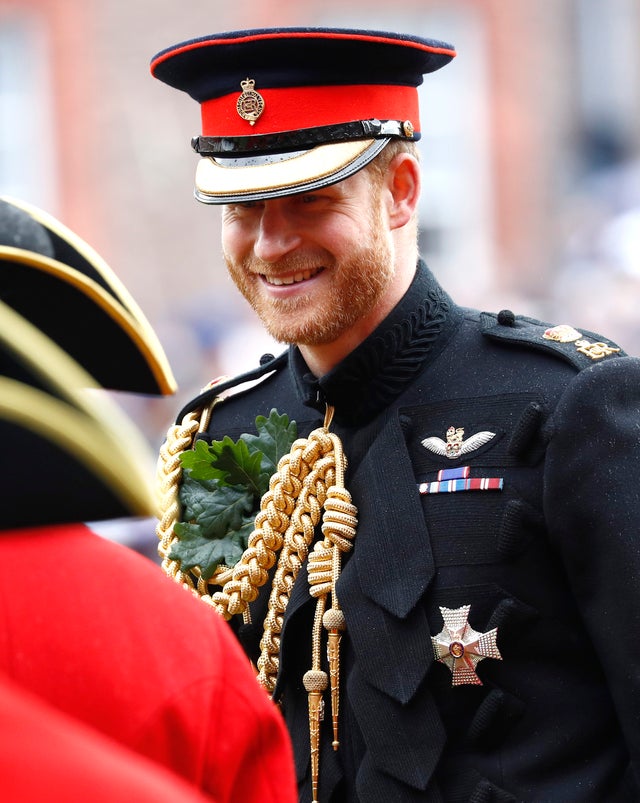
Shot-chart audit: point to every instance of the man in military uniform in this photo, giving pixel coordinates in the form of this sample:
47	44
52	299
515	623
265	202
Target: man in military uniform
441	584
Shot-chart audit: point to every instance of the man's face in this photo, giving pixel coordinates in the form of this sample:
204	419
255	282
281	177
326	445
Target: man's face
313	265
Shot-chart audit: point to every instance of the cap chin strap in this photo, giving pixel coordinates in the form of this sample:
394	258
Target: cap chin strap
304	138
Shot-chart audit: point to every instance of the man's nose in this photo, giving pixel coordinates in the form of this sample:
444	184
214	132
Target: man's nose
277	232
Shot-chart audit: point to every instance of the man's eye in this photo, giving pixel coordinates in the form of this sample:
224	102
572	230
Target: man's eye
233	209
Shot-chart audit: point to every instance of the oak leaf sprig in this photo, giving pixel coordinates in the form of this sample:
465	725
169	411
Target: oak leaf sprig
222	485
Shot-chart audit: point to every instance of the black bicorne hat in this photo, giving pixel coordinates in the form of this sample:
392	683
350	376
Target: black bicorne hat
58	282
289	110
69	453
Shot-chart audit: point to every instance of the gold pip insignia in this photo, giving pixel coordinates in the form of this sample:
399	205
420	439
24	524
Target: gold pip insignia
595	351
456	445
461	648
250	104
562	334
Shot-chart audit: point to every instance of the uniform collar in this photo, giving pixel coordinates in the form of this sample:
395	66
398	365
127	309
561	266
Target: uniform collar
382	366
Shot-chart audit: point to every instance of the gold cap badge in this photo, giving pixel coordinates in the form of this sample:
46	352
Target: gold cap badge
250	104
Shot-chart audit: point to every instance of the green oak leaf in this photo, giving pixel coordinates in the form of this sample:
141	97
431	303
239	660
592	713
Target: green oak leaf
222	484
198	461
216	508
274	439
238	465
192	550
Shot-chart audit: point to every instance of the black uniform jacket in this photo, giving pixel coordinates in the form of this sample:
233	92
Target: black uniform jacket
549	554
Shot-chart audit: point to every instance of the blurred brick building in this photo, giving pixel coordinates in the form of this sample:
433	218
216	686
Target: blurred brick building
531	139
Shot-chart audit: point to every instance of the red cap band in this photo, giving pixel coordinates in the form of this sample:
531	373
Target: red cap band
295	108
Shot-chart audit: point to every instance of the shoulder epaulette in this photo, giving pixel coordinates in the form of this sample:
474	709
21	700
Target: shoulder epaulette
579	348
268	364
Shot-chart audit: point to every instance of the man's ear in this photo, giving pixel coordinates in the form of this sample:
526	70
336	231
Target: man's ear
404	183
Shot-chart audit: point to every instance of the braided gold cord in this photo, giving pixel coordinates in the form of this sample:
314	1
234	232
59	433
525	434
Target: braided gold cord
179	438
168	477
308	480
289	512
240	585
320	569
277	510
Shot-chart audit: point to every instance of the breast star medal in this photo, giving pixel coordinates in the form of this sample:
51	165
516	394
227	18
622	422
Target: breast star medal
461	648
250	104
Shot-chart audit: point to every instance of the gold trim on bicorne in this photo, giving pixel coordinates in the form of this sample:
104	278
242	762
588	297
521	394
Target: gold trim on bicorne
118	303
88	425
214	178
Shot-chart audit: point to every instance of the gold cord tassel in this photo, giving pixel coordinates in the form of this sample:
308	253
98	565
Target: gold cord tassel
335	624
324	566
315	682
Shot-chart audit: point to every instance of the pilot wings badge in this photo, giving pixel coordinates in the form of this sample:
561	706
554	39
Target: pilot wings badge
456	445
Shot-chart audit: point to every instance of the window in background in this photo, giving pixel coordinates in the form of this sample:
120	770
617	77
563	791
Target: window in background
27	169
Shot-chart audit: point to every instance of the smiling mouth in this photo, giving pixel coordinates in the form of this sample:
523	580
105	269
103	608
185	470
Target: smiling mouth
302	276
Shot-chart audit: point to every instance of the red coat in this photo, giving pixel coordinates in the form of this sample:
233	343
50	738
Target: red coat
47	755
101	633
